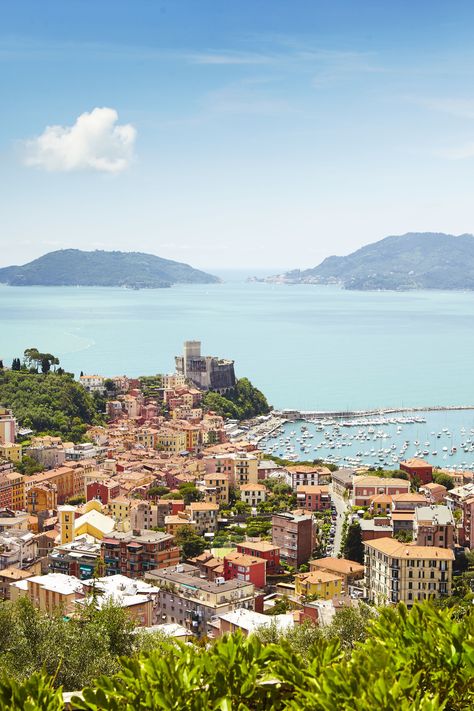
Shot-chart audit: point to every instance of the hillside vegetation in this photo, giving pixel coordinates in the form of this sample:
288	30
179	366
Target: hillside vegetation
412	261
242	403
73	267
52	403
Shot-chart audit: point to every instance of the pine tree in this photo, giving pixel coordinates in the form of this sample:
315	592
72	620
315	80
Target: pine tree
354	548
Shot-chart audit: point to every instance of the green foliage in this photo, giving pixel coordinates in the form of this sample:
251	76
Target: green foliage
155	492
242	403
190	542
35	694
189	493
310	463
52	403
150	385
444	479
354	548
404	536
72	651
392	660
28	466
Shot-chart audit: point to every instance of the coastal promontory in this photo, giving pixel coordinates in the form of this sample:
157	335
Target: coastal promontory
416	260
74	267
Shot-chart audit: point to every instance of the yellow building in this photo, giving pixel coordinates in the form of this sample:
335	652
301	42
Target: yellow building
66	517
171	441
174	523
400	572
146	437
216	489
42	497
119	508
324	585
12	452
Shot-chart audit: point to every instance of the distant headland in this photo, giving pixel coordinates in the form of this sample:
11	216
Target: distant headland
74	267
416	260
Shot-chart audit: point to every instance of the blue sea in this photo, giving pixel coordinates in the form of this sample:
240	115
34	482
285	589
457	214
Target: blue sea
306	347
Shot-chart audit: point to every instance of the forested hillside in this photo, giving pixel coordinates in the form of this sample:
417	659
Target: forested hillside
242	403
51	402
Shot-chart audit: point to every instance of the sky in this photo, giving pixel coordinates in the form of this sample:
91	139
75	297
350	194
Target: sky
258	134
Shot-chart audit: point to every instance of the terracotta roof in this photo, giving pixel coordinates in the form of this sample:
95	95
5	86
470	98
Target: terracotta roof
392	547
415	463
315	577
379	481
202	506
337	565
409	497
243	559
262	546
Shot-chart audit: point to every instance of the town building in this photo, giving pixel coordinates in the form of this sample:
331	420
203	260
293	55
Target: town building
434	526
17	549
79	558
253	494
342	481
418	469
216	489
350	571
93	383
265	550
399	572
11	452
11	520
313	498
295	537
204	516
7	426
240	467
434	493
103	491
248	621
189	600
134	552
49	593
42	497
240	566
366	487
306	475
318	583
207	372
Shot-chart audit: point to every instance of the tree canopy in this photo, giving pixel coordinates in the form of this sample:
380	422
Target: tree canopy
54	404
241	403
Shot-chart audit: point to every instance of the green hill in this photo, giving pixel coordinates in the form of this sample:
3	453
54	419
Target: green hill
416	260
73	267
52	403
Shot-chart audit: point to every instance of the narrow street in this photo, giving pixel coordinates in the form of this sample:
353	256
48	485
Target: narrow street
341	507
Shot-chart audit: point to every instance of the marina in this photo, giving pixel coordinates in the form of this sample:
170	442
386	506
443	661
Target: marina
443	437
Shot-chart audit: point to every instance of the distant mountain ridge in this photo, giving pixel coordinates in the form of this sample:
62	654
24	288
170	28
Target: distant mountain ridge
74	267
416	260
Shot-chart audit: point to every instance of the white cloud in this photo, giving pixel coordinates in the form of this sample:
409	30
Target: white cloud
94	142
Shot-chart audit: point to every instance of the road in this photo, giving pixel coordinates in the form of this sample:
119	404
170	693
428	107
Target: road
341	507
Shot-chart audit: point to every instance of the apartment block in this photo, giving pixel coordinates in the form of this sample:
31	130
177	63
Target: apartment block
366	487
397	572
265	550
134	553
189	600
295	537
313	498
434	526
